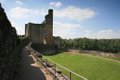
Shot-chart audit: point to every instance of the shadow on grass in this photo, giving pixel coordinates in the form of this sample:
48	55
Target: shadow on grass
52	54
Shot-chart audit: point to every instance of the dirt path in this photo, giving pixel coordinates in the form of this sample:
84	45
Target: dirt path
29	70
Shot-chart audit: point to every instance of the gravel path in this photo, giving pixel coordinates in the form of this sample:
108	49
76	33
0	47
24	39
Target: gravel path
29	69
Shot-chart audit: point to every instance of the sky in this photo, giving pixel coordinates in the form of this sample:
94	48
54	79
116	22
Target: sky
95	19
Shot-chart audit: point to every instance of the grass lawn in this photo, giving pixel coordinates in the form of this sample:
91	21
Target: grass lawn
91	67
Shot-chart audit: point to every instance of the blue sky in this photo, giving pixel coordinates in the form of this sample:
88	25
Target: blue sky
72	18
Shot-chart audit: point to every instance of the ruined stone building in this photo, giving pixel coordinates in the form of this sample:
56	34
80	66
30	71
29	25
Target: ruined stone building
41	33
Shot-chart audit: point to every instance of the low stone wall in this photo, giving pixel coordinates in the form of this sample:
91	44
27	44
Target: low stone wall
96	53
102	54
46	63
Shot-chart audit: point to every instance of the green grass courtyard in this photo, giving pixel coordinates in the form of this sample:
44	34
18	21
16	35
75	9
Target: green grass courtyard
91	67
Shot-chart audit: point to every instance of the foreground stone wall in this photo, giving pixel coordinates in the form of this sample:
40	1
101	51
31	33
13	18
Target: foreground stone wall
9	48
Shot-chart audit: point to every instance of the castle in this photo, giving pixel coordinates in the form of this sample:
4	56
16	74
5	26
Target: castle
41	33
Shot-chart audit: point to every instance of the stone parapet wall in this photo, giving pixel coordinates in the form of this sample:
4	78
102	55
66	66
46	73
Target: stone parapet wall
9	48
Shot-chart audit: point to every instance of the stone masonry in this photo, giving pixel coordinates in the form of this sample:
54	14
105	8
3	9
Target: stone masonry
41	33
9	48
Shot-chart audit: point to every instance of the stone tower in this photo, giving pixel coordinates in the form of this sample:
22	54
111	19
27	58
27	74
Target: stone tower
41	33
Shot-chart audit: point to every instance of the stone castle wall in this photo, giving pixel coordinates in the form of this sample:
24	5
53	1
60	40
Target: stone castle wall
41	33
9	48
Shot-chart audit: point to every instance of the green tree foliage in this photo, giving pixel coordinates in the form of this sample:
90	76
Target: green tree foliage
106	45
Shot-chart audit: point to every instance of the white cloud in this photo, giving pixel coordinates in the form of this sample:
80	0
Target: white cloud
2	1
108	34
103	34
19	28
65	30
55	4
19	2
19	12
75	13
70	12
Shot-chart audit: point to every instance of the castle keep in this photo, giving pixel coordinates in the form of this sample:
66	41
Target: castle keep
41	33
